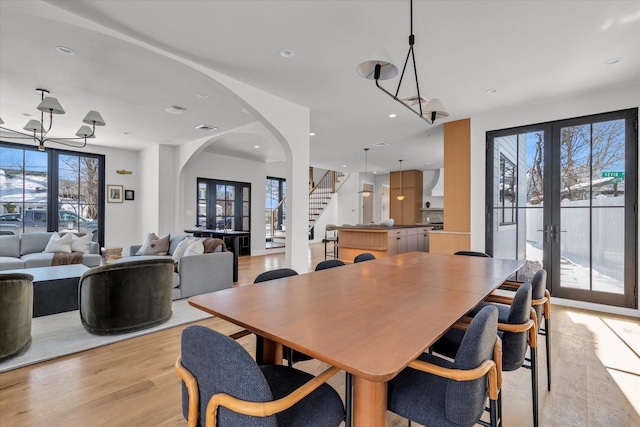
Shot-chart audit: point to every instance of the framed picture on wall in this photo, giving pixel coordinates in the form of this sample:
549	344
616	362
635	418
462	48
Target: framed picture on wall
128	194
115	193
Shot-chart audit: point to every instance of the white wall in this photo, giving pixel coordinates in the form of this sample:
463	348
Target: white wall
121	219
348	210
555	109
276	170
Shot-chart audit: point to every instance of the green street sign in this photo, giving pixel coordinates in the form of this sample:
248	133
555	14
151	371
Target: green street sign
613	175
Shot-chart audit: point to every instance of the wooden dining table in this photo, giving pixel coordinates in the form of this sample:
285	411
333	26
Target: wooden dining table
370	319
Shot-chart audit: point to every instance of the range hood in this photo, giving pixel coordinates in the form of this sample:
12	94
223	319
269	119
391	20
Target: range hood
438	189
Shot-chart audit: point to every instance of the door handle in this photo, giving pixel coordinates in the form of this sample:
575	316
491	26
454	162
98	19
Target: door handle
546	233
556	233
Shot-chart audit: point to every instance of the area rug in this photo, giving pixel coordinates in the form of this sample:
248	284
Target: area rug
62	334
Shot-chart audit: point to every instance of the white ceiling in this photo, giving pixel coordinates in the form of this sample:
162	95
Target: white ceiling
529	51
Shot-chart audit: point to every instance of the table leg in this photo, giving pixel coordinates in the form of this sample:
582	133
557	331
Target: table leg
272	353
369	403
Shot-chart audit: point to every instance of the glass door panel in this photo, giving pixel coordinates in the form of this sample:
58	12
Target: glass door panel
591	230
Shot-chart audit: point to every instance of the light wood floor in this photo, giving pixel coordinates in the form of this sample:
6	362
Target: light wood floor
596	375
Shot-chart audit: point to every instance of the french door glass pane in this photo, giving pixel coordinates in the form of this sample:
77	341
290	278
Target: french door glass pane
607	230
518	200
202	204
592	206
574	248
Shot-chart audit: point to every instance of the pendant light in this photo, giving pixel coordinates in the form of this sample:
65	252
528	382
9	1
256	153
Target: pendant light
379	67
366	193
400	196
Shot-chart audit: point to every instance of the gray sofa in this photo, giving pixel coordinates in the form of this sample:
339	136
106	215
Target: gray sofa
195	274
26	251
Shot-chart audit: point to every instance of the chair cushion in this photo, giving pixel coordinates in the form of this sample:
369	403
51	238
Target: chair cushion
323	407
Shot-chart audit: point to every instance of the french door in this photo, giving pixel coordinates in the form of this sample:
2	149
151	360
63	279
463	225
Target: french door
563	196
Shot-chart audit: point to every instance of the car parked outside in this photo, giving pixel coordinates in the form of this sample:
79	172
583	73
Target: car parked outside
36	220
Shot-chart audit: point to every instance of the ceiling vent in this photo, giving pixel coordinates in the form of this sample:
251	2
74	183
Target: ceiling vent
174	109
208	128
414	100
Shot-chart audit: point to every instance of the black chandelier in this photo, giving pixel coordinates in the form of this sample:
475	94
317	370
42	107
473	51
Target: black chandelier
379	67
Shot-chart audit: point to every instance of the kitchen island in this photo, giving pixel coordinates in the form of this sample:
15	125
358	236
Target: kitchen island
380	241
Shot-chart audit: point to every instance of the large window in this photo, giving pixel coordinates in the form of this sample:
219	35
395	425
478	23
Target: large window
276	191
52	190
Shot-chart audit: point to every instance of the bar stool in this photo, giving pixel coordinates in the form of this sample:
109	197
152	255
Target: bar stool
330	237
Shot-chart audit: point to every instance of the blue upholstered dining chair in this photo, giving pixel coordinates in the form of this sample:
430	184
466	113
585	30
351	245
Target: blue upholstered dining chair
473	253
330	263
364	257
541	302
222	385
290	355
437	392
518	334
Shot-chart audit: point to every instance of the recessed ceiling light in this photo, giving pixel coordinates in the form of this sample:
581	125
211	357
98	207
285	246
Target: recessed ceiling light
382	144
126	133
256	146
392	115
312	134
174	109
286	53
375	172
65	50
612	61
202	95
344	166
490	91
207	128
244	110
26	114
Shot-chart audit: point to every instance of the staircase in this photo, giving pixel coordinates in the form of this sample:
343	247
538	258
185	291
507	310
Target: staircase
319	198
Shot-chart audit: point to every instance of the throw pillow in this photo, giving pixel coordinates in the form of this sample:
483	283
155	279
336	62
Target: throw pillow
81	244
154	245
197	248
212	244
182	246
59	244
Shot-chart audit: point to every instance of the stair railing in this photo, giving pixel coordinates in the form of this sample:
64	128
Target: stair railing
318	197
